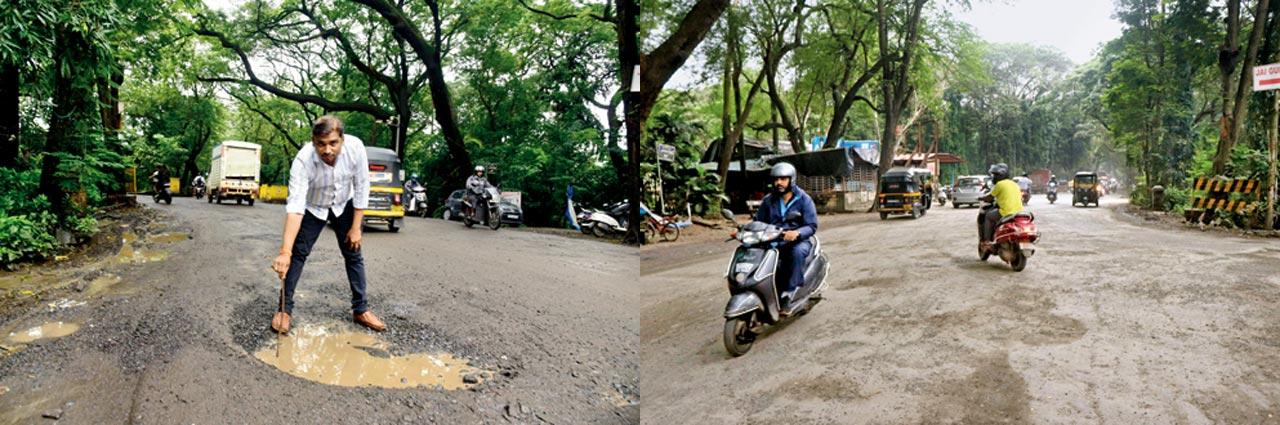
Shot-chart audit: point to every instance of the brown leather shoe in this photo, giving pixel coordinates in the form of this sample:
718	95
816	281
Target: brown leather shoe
280	323
368	320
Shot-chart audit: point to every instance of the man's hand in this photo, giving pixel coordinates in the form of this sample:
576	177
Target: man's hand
790	235
353	237
281	264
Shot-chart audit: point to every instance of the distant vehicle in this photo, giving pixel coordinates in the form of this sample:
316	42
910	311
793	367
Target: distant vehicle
453	205
901	192
1040	179
511	214
1085	189
967	190
385	188
234	171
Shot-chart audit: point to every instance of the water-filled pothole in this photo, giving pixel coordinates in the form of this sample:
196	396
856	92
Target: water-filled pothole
169	237
130	255
335	355
45	331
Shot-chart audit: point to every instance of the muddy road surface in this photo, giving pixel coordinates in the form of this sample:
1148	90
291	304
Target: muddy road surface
484	327
1111	322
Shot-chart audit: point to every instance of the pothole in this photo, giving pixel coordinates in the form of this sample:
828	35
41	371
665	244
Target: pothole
336	355
169	237
130	255
102	283
46	331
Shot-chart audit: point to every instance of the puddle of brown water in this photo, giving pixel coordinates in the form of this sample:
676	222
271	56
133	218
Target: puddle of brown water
46	331
26	280
329	355
169	237
130	255
102	283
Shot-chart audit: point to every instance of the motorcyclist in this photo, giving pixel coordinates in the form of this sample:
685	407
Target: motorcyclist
409	186
1008	199
159	177
476	184
198	181
787	196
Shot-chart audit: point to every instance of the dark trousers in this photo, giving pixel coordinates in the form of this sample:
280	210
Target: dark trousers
989	220
792	263
307	234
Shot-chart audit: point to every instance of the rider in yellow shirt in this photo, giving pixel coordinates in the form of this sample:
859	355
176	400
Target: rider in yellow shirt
1007	196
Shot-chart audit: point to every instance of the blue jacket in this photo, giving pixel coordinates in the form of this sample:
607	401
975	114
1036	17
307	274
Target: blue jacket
772	211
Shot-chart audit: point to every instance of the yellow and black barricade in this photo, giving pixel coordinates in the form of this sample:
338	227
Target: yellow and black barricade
1217	193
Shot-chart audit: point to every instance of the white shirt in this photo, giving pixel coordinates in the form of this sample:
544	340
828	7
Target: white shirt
1023	183
318	188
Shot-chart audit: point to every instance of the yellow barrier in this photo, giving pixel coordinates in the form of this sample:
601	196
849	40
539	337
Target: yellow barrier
269	193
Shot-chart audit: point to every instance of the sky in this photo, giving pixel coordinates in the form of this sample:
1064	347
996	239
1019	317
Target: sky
1076	27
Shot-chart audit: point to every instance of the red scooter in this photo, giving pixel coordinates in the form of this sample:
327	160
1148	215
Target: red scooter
1016	236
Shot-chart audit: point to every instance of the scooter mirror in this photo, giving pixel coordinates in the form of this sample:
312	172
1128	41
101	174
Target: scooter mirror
794	217
728	215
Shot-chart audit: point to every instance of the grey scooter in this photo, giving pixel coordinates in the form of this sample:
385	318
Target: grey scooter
754	300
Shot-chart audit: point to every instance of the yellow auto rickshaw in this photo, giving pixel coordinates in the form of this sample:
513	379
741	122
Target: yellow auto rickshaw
385	189
1084	189
902	192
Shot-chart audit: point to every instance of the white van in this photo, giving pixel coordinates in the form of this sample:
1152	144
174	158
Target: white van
235	168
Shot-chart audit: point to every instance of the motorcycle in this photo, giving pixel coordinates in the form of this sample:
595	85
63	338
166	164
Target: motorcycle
612	220
1015	238
491	217
160	193
1052	194
943	195
417	204
754	290
198	191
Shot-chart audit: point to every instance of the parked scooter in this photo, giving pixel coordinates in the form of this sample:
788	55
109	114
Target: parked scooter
1015	238
487	214
755	289
416	201
611	220
160	192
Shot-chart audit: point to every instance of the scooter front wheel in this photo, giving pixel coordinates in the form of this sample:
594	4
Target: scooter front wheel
738	337
1019	260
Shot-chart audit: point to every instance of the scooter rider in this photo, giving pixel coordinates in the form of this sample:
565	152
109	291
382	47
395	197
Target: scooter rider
198	181
160	177
476	184
787	196
1007	196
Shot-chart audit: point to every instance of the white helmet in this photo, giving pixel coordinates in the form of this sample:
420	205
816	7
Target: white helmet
479	168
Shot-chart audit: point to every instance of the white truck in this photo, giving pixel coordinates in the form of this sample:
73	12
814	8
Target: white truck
235	168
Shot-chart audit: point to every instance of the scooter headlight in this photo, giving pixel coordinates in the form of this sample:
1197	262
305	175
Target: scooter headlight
749	238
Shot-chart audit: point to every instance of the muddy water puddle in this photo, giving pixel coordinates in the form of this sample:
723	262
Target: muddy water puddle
334	355
169	237
46	331
129	254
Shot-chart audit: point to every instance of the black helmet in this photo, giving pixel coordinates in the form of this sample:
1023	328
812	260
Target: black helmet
783	169
999	172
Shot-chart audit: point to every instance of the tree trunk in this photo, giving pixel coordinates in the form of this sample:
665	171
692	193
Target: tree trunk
1242	89
636	110
75	115
9	106
1228	54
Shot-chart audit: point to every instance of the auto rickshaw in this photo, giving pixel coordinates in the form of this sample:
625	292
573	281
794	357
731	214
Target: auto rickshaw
901	192
1084	189
385	189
